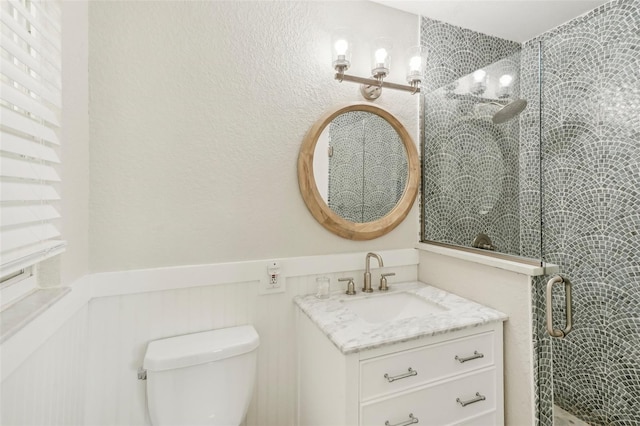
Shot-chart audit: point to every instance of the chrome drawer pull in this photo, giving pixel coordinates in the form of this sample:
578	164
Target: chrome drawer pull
410	372
478	398
475	355
412	420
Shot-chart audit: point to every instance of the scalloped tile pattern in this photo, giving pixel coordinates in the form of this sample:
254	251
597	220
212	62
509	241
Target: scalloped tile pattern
368	169
563	418
591	209
470	165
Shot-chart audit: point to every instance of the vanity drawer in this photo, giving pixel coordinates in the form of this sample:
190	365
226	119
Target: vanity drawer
427	364
437	404
482	420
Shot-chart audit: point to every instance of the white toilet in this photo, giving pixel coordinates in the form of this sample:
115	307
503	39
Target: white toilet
203	378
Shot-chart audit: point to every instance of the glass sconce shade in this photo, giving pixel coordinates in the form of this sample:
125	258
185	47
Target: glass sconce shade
341	47
417	59
504	86
479	82
381	58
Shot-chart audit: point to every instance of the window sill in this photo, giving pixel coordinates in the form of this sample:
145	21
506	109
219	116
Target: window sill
22	312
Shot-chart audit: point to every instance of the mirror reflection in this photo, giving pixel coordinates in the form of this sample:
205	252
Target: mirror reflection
473	186
360	166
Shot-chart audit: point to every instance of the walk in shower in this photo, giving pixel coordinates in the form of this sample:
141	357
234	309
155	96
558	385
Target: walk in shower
557	181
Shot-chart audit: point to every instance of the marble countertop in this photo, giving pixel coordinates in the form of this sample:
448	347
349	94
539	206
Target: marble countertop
351	334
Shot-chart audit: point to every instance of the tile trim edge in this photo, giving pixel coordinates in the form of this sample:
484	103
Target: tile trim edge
508	265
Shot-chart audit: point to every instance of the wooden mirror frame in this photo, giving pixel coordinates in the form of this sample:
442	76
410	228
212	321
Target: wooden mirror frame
319	208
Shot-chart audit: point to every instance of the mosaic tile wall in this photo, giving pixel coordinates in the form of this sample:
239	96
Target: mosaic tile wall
368	170
470	165
529	161
591	210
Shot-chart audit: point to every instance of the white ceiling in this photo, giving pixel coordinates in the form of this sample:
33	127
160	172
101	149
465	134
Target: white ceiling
517	20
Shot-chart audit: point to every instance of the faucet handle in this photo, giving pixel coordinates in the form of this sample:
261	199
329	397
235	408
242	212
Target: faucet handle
383	281
351	286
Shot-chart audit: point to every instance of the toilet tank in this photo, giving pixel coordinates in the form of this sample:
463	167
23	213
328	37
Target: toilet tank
204	378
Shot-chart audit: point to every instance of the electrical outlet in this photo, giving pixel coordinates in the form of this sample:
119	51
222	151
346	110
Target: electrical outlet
273	281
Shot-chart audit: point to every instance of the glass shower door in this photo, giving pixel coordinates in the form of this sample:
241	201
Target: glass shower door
591	213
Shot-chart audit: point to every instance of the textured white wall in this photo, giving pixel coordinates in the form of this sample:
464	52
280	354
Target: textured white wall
75	140
197	113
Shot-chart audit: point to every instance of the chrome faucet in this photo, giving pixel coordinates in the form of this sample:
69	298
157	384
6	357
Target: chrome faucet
367	271
483	241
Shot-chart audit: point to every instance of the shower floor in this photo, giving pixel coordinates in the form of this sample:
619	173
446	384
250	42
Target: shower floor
564	418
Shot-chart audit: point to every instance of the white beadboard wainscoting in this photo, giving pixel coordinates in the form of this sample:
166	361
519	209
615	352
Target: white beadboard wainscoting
77	362
48	387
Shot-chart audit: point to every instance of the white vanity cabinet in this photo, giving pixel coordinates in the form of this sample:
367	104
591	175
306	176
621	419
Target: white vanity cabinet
453	378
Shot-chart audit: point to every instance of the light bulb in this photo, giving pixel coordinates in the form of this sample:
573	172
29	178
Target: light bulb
381	55
504	86
341	47
505	80
415	63
380	58
417	59
341	50
479	76
479	84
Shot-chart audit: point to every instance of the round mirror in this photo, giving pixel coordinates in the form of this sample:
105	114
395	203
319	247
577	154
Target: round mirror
358	171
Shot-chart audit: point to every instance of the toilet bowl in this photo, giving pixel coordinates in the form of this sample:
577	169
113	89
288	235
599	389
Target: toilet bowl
204	378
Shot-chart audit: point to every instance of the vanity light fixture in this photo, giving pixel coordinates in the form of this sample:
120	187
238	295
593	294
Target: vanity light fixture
371	88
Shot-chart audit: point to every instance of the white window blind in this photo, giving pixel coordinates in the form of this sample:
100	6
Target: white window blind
30	105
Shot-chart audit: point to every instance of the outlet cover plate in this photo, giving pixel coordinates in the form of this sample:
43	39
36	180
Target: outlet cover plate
265	287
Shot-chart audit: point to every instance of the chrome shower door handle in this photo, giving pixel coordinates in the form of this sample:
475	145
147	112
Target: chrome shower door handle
554	332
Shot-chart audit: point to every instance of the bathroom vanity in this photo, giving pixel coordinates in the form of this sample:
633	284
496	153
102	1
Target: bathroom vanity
431	358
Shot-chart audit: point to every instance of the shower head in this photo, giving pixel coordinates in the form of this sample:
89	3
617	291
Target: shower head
508	111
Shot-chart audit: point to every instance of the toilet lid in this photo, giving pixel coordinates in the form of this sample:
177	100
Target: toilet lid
199	348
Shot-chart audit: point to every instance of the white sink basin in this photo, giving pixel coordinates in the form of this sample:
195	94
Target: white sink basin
390	307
